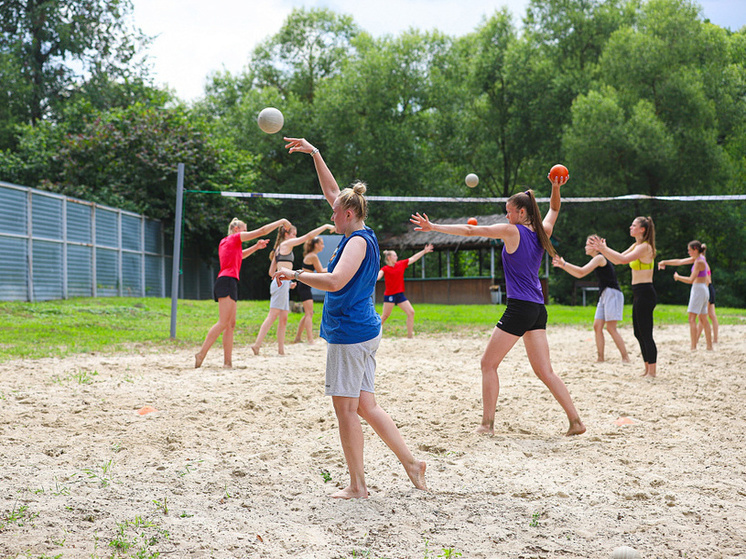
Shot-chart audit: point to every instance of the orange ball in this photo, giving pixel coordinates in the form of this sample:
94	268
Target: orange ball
558	171
472	221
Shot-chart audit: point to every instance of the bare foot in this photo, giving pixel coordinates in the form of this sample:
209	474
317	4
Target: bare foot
710	348
625	360
198	358
576	428
281	352
600	360
296	340
228	365
416	473
255	350
349	493
485	430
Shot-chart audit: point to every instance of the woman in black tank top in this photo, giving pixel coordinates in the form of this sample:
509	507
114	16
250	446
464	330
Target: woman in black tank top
282	257
311	262
610	298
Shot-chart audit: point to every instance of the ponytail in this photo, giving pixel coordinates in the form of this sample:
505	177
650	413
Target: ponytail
234	224
309	245
649	236
281	234
527	201
699	247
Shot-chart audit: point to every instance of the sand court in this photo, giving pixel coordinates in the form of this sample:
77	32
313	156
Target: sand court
240	463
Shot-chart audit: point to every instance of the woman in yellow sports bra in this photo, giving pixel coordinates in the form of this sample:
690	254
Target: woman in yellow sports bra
640	256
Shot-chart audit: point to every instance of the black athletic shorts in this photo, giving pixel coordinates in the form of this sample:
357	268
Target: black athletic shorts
225	286
711	289
521	316
303	291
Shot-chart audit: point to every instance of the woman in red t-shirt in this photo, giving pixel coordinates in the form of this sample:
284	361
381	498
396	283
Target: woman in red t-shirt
225	291
394	292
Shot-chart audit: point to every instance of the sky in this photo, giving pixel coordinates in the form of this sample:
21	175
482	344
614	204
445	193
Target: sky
196	37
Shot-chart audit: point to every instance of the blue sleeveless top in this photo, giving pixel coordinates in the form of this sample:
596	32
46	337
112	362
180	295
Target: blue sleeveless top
349	316
522	268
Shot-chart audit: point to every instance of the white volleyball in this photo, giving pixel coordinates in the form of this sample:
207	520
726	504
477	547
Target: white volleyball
270	120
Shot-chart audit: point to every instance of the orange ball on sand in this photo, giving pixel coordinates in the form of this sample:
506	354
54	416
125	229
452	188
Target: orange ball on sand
558	171
472	221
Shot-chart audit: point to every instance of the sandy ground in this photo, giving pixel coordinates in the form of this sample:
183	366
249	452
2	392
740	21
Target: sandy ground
233	463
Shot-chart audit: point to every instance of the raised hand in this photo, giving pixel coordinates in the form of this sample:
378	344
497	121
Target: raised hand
421	221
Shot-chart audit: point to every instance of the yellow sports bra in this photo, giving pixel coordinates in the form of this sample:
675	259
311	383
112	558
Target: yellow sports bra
637	265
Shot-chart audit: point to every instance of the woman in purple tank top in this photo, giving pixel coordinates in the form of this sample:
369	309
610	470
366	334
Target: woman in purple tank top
701	300
525	238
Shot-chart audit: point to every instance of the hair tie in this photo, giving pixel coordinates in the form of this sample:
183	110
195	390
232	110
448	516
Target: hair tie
525	191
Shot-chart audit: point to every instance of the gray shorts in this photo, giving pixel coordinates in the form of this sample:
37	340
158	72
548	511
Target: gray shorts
699	298
279	295
610	305
351	368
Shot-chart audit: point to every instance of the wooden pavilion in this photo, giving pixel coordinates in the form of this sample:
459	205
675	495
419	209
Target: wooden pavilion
446	287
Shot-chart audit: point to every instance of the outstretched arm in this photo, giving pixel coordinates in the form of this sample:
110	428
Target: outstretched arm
634	252
310	235
577	271
348	265
675	262
260	244
328	183
497	231
415	257
698	267
264	230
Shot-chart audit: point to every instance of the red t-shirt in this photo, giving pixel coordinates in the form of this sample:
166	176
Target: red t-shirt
230	253
394	277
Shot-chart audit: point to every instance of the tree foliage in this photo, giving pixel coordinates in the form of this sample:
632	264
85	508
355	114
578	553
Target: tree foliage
634	96
49	45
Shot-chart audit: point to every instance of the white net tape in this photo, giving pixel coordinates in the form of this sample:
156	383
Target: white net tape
714	198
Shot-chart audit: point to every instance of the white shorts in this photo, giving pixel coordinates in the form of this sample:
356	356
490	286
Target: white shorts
279	295
610	305
351	368
699	298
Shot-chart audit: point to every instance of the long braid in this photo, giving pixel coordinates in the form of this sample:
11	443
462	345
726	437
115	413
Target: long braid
281	234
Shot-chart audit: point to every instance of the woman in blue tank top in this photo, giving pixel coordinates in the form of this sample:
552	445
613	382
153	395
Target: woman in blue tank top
352	328
525	238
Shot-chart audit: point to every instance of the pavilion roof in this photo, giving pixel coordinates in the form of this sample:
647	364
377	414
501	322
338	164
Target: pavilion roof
416	240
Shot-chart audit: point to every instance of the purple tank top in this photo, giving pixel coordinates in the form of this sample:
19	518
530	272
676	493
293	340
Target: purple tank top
522	268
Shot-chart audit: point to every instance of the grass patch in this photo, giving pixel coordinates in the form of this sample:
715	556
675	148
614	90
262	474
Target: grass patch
112	324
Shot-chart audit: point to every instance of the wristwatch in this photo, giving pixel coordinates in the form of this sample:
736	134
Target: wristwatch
297	273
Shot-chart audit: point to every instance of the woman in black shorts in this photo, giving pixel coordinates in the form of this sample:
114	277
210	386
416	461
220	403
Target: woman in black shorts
225	291
311	263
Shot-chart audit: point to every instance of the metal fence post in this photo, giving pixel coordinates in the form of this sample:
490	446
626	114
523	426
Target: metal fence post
177	247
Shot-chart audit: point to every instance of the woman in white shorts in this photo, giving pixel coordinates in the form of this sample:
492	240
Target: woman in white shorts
699	296
610	308
352	328
279	293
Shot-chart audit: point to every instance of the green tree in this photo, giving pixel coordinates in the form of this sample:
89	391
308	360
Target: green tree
310	46
49	45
